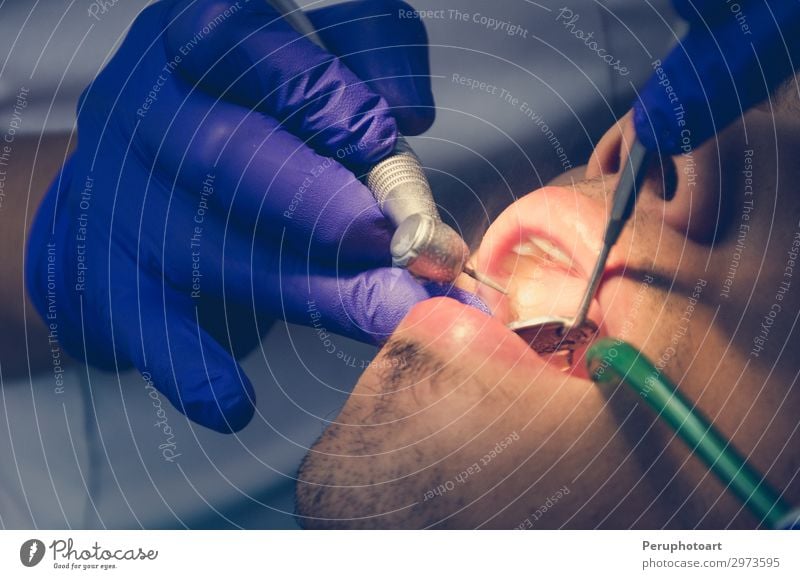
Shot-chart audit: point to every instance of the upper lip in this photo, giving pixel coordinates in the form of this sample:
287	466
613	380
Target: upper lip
571	221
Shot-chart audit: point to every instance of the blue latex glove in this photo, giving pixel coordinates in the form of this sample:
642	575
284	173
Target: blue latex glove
729	61
211	191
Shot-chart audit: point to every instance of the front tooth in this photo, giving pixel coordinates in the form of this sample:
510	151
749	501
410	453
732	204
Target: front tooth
526	249
551	250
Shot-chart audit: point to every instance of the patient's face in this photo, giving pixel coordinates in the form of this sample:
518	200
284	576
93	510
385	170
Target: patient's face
460	424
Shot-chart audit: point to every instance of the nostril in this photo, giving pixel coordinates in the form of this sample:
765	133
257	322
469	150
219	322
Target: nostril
664	176
670	180
613	159
612	149
607	156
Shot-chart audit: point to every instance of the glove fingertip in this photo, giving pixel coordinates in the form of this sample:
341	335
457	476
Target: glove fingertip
461	295
226	405
378	300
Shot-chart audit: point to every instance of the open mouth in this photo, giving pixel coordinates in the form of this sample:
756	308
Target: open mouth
542	250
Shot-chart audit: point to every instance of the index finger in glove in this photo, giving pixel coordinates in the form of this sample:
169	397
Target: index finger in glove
248	54
231	159
386	48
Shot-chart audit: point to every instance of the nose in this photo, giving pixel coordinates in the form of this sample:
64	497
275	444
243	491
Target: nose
684	197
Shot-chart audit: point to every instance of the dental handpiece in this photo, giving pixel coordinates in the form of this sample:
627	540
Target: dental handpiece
422	243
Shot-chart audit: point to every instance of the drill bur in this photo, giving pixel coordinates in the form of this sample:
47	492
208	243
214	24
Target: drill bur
429	249
481	278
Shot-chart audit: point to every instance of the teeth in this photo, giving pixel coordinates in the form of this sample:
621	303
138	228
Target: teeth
551	250
543	248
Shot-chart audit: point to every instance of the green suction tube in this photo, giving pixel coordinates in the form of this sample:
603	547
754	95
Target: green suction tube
612	360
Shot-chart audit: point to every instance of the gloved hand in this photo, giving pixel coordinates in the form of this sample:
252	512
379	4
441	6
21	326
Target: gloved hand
212	189
733	56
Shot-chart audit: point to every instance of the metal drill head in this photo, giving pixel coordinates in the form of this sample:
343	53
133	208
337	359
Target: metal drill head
429	249
550	334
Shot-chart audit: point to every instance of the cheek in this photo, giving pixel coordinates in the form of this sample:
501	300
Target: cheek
659	323
633	309
698	216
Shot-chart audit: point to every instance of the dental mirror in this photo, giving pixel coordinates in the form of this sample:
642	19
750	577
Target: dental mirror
551	334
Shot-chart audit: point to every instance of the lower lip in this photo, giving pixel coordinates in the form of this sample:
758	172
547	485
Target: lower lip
540	289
